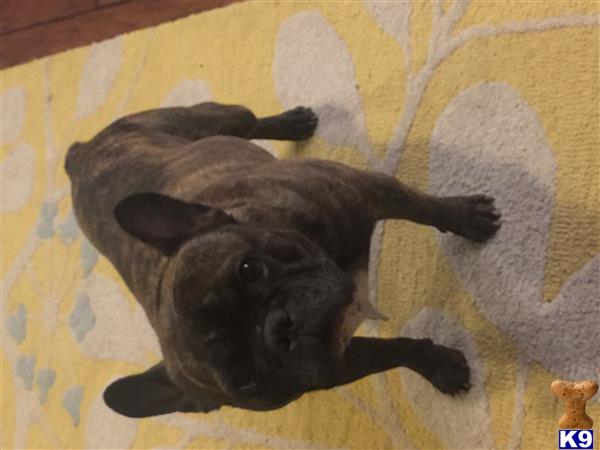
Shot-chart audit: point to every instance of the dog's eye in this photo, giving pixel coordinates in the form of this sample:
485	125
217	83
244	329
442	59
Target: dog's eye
251	270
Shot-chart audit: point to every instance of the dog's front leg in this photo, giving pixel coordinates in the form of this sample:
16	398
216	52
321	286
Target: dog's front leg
445	368
473	217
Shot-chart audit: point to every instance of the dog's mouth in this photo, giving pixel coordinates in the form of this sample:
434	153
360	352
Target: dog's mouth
334	328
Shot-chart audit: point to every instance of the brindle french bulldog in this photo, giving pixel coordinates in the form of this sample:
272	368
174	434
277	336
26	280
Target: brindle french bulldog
251	270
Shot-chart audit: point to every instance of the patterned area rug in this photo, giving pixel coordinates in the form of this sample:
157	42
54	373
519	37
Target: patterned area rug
451	97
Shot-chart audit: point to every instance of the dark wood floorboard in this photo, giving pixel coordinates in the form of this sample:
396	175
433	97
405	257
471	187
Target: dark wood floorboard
31	29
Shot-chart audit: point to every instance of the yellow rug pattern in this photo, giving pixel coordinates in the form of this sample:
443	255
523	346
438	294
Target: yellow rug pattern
451	97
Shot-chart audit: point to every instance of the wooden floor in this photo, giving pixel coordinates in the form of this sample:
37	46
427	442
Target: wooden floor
31	29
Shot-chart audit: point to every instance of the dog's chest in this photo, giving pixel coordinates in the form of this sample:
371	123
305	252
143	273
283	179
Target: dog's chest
360	308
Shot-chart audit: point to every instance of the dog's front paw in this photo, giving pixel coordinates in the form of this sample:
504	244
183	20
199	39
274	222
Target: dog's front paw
473	217
299	123
452	374
446	369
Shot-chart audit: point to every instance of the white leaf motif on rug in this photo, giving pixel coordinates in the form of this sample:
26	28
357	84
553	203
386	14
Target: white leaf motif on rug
188	93
13	104
394	18
99	74
313	67
120	332
18	174
105	429
440	411
488	140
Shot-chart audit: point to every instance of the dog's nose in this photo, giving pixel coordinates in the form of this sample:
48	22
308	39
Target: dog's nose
278	331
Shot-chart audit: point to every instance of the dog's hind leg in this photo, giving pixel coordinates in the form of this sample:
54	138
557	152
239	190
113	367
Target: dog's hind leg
294	125
211	119
191	123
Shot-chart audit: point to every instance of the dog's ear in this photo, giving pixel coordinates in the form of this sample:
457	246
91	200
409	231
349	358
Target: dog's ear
166	222
151	393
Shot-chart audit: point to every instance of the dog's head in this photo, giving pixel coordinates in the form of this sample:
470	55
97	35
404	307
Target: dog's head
249	316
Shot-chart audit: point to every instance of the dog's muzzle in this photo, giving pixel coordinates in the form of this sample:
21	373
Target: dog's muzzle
306	311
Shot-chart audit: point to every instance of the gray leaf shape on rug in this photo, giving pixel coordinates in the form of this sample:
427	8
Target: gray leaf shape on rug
188	93
439	411
488	140
312	67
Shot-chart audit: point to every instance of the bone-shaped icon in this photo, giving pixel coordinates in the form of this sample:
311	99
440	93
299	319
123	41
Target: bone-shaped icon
574	395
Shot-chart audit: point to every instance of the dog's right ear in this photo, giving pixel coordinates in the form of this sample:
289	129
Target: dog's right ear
166	222
150	394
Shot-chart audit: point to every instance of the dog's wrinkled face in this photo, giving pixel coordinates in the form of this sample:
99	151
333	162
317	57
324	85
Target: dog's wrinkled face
255	315
249	316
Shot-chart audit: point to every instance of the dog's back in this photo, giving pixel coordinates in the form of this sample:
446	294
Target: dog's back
122	160
188	154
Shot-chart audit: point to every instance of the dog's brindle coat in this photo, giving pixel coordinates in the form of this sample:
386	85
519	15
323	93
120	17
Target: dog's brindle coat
244	264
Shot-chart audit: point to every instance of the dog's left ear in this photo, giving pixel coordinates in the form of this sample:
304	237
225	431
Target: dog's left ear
166	222
150	394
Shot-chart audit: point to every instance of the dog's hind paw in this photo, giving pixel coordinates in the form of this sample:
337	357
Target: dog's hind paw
295	124
300	123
